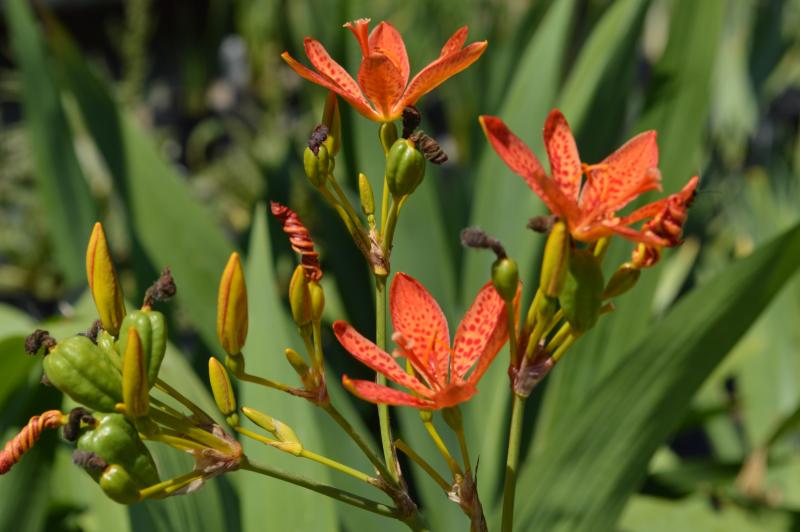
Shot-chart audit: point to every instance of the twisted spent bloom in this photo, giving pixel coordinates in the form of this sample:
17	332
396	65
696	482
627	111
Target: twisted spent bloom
437	375
23	442
300	239
589	206
383	89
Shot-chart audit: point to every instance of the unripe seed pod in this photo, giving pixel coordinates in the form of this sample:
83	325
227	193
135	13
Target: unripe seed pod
317	166
81	370
623	280
405	168
582	295
221	387
505	278
103	281
555	261
232	314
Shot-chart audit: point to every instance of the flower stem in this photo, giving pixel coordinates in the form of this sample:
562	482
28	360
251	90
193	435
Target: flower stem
512	459
334	493
383	410
440	445
185	401
162	489
512	334
420	461
356	437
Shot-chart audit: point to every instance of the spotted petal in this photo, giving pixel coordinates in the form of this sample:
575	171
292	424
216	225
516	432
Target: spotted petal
382	83
475	337
378	394
455	42
387	40
375	358
565	163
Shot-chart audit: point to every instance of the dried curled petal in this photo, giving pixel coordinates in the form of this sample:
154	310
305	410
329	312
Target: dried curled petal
27	438
299	238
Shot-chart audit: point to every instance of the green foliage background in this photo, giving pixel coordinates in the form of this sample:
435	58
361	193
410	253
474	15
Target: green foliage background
174	122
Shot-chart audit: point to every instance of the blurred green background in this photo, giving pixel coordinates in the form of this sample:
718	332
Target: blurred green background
174	121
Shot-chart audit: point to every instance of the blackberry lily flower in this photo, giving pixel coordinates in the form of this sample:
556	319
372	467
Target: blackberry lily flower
439	378
589	206
383	90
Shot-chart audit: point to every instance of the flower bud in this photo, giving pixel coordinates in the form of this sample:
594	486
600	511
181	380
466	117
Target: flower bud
317	166
405	168
221	387
232	317
316	300
332	120
297	362
582	295
366	195
300	298
103	282
135	390
505	278
555	261
287	439
623	280
388	135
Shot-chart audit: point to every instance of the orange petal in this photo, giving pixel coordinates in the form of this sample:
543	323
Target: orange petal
382	84
360	29
375	393
493	344
475	331
357	101
455	42
329	68
375	358
453	395
417	316
622	176
651	209
387	40
523	162
565	163
437	72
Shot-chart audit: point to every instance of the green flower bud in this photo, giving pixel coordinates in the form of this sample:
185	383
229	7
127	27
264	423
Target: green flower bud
221	387
135	392
317	167
623	280
232	314
405	168
316	300
152	330
103	282
555	262
505	278
366	195
582	295
300	298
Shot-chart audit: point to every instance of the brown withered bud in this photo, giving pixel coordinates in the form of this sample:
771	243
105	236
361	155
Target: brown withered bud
76	416
38	339
318	136
411	119
429	147
161	290
299	238
542	224
91	332
88	460
475	237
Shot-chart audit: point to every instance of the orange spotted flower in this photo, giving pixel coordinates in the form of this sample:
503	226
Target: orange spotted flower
439	378
383	90
588	206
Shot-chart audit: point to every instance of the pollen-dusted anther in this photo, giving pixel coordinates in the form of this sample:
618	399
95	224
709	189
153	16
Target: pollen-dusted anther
411	119
89	460
37	340
23	442
300	239
161	290
542	224
429	147
318	136
77	417
475	237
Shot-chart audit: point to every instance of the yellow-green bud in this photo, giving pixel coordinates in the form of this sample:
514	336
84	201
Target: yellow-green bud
582	295
623	280
366	195
332	120
221	387
297	362
287	439
388	135
300	298
317	167
135	391
555	261
317	300
103	282
405	168
232	315
505	278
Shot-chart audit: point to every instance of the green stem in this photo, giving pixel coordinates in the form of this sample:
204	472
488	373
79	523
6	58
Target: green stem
440	445
185	401
348	207
162	489
329	491
188	430
391	223
512	333
356	437
361	240
380	378
420	461
512	459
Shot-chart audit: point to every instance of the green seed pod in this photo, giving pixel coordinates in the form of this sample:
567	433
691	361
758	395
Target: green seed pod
107	345
623	280
152	330
317	166
82	370
130	465
405	168
582	295
505	277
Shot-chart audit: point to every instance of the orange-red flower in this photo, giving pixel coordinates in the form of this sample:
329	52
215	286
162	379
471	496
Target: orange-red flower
439	379
383	89
588	206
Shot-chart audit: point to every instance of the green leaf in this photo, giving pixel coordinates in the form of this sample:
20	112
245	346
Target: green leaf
581	483
62	185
